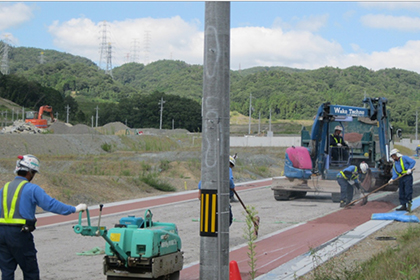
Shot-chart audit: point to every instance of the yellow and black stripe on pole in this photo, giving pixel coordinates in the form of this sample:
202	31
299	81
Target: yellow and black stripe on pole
208	213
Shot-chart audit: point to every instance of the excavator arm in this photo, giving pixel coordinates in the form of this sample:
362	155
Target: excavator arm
47	109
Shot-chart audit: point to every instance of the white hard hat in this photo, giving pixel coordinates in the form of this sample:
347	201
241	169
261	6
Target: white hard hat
338	128
232	160
27	163
395	152
364	167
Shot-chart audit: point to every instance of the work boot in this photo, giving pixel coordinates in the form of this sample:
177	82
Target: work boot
343	203
409	204
403	207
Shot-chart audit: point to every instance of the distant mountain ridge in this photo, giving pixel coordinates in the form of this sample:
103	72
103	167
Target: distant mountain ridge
289	93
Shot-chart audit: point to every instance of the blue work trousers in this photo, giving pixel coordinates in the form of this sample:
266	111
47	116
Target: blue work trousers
405	186
346	190
17	248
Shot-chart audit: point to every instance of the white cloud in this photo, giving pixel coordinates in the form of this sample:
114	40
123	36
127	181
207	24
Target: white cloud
259	46
146	37
401	23
394	5
174	38
404	57
14	15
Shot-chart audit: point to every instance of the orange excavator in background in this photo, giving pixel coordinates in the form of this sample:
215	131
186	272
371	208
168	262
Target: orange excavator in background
35	117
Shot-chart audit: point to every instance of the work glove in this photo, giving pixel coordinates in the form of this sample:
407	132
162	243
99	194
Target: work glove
357	186
390	181
339	145
409	171
81	207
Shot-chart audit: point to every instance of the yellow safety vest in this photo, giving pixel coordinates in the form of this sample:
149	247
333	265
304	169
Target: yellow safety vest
354	175
335	139
402	168
9	213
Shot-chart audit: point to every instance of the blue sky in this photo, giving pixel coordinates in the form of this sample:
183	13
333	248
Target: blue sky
306	35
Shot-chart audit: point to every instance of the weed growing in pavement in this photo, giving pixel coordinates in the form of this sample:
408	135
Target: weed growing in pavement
329	270
399	262
250	237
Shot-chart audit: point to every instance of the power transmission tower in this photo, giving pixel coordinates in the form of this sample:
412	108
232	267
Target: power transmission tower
41	58
103	46
108	69
5	57
135	45
146	46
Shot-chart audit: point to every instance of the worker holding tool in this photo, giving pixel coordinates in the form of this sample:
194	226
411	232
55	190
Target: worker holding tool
338	145
350	173
402	167
232	161
17	219
231	186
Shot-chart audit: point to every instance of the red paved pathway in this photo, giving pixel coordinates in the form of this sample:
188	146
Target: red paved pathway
287	245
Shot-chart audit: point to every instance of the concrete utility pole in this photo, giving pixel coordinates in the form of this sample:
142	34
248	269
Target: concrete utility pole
417	116
23	113
56	116
161	102
97	116
214	210
67	112
250	112
270	133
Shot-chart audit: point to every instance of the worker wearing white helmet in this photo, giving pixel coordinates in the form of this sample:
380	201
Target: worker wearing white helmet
19	199
338	145
403	165
232	162
344	177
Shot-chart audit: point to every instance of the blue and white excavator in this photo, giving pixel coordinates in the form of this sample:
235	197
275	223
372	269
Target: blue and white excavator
313	167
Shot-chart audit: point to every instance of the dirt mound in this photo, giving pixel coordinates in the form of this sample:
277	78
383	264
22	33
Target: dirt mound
112	128
353	137
63	128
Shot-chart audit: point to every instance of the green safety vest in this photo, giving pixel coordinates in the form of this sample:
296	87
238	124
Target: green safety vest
402	168
8	214
354	175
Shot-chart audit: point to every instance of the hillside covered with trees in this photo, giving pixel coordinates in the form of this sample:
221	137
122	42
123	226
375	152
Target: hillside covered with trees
289	93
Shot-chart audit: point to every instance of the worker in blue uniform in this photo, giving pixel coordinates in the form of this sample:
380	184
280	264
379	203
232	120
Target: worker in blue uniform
350	173
232	162
19	199
403	165
231	186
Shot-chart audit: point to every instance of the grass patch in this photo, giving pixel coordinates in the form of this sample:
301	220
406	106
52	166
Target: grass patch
398	263
152	180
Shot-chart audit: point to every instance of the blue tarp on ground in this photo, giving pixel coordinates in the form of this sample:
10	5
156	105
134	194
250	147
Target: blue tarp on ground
397	216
